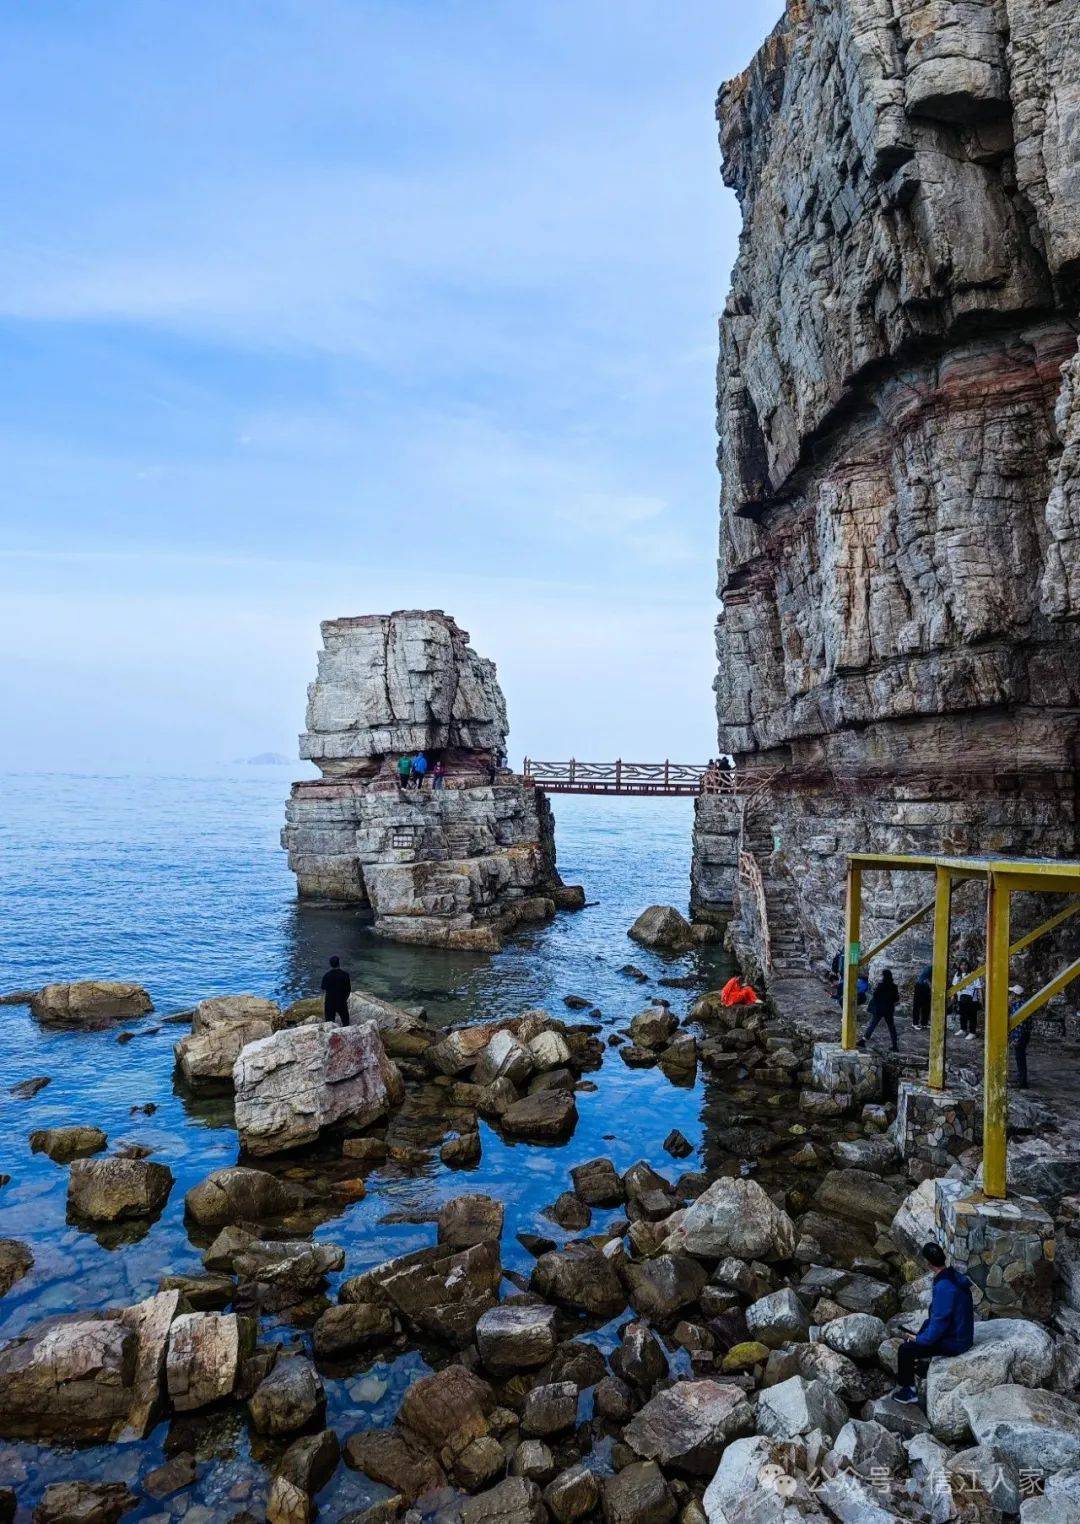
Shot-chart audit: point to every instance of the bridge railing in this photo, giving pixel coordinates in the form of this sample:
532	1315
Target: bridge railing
616	777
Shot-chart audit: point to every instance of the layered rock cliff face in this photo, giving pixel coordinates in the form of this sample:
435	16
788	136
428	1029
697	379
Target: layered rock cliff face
455	865
899	420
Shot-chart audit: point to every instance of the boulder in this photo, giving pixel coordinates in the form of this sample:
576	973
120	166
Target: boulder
388	1017
598	1184
661	1287
151	1321
110	1190
1059	1504
638	1494
90	1002
516	1500
15	1262
220	1027
62	1144
989	1471
397	1459
479	1463
230	1242
68	1382
779	1318
287	1399
546	1116
292	1085
238	1194
205	1354
914	1223
84	1503
285	1273
687	1426
737	1476
662	926
504	1058
459	1049
848	1289
652	1027
735	1217
550	1409
533	1459
869	1448
1005	1350
797	1406
572	1495
440	1291
449	1404
859	1335
1036	1430
579	1277
640	1357
549	1050
350	1326
516	1336
860	1196
817	1362
470	1219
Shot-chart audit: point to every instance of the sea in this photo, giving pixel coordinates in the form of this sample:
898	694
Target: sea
180	883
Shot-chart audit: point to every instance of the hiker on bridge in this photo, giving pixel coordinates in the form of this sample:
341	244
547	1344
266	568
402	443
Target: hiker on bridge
882	1007
735	992
336	988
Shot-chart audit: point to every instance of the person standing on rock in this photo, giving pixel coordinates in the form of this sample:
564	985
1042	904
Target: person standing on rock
882	1007
949	1330
404	771
419	769
336	988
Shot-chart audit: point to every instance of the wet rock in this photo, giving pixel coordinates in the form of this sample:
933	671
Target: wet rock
1005	1350
686	1426
282	1274
860	1196
439	1291
579	1362
365	1150
664	927
549	1050
516	1336
451	1403
461	1152
677	1145
220	1027
598	1184
292	1085
62	1144
550	1409
239	1194
779	1318
735	1217
397	1459
286	1503
613	1399
459	1050
176	1474
199	1293
222	1253
110	1190
287	1399
350	1326
16	1261
84	1503
514	1501
481	1461
661	1287
546	1116
859	1335
68	1381
1035	1429
387	1016
579	1277
470	1219
205	1354
151	1321
640	1357
534	1460
504	1058
88	1002
638	1494
26	1089
572	1495
536	1243
570	1212
652	1027
797	1406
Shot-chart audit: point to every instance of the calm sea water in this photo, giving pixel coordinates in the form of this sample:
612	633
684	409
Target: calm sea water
180	883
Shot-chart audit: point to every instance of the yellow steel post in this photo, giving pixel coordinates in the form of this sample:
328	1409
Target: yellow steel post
852	930
996	1040
940	976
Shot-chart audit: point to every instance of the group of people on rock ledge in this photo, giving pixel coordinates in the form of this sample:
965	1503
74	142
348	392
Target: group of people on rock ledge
414	770
881	1003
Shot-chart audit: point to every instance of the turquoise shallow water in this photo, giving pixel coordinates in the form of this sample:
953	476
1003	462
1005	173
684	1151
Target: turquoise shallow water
180	884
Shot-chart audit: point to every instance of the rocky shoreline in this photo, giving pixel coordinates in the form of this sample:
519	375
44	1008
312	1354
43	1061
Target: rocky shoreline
688	1343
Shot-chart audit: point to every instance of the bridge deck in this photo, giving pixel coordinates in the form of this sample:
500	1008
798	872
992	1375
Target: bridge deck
642	780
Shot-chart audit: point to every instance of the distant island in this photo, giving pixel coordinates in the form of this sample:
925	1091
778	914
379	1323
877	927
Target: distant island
265	759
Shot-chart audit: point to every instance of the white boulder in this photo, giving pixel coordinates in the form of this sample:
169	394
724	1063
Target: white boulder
734	1217
1037	1430
1005	1350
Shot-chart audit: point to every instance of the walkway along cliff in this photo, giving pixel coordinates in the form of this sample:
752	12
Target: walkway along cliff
456	865
899	421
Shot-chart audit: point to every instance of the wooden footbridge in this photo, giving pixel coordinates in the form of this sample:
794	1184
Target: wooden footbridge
641	780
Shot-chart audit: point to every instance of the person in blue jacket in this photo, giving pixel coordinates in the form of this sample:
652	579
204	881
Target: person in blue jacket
949	1329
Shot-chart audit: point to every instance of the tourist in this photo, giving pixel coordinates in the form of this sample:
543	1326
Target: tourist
336	988
967	1008
920	999
882	1007
438	775
1019	1038
404	769
735	992
419	768
949	1329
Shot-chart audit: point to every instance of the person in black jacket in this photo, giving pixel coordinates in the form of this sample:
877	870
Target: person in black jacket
336	988
920	999
882	1007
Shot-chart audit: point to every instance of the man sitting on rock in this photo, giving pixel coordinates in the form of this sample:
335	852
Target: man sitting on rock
949	1329
336	988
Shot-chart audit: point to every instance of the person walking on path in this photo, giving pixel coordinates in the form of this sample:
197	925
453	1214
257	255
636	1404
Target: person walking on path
419	768
920	1000
336	988
882	1007
1019	1038
949	1330
404	771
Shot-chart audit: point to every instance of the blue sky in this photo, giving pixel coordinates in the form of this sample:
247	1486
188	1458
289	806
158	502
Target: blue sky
320	308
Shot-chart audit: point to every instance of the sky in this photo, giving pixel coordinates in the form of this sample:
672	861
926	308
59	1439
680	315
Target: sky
326	307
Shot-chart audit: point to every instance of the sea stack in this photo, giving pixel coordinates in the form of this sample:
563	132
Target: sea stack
456	862
899	421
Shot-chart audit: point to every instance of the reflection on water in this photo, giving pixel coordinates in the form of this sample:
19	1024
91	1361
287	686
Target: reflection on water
180	884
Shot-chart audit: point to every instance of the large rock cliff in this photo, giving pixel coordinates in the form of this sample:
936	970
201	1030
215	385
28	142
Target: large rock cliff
899	421
455	865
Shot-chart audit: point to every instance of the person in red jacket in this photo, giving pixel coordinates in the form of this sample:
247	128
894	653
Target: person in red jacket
735	992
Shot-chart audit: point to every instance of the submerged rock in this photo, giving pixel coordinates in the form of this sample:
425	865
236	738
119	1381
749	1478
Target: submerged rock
62	1144
16	1260
239	1194
662	926
109	1190
84	1503
288	1398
